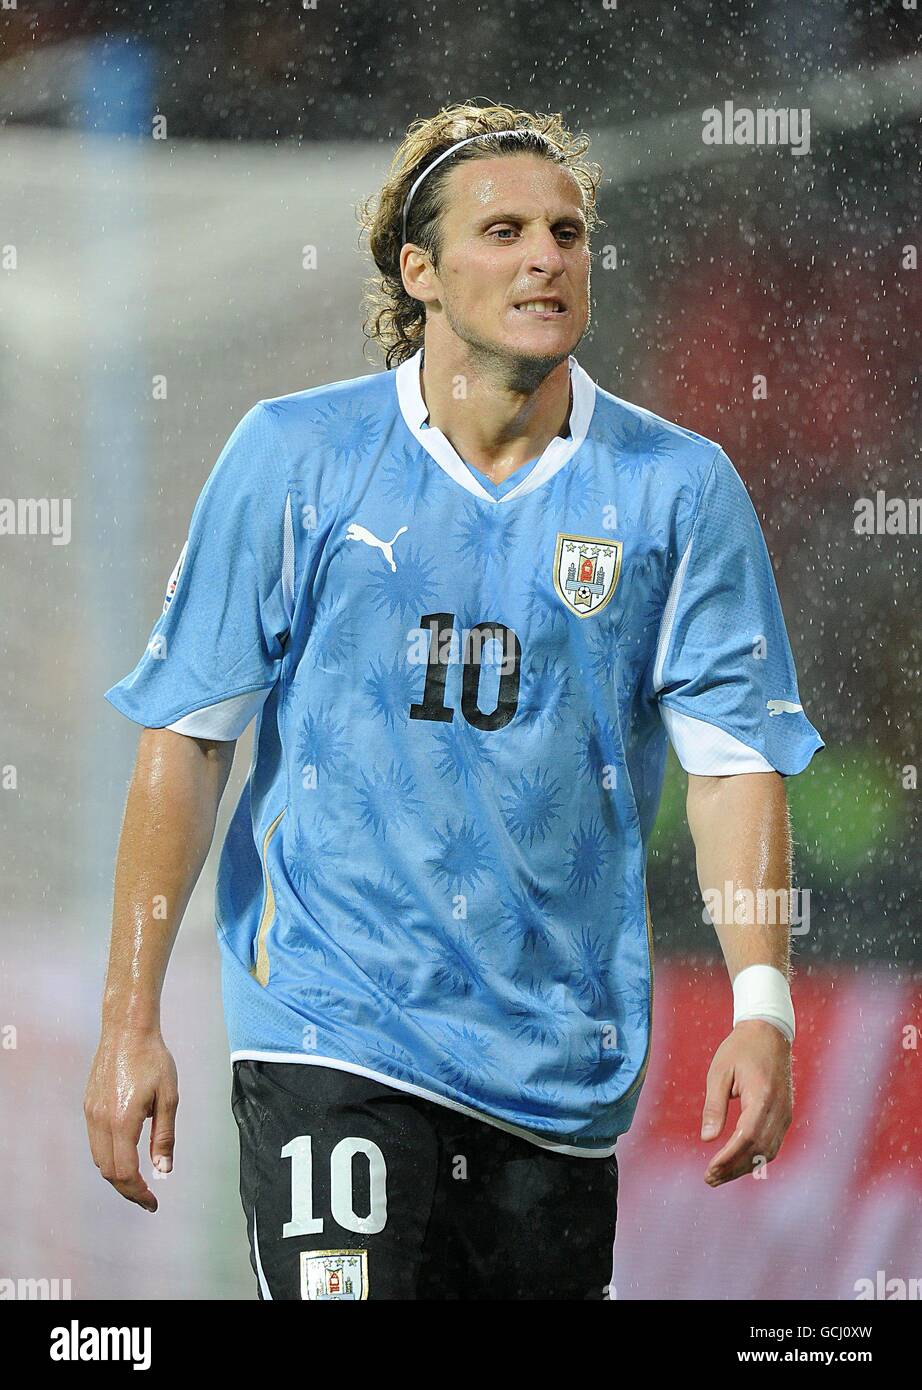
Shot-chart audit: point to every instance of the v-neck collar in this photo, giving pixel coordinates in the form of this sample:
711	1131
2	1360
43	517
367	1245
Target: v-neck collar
558	452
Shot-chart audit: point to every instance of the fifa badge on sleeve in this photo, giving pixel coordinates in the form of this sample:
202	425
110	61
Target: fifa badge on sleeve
174	578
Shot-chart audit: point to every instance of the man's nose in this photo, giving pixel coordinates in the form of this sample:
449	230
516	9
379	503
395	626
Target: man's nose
544	252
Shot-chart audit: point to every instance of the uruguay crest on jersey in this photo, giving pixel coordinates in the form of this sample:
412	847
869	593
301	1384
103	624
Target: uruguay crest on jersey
586	572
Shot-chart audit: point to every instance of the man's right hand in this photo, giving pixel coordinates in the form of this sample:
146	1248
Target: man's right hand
133	1078
167	831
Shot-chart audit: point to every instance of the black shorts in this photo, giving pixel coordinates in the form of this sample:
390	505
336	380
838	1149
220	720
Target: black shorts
354	1190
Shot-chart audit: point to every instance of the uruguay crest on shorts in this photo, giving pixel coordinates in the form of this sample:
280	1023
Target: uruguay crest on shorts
586	571
334	1275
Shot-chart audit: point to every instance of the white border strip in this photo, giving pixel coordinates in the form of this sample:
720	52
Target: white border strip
288	562
668	619
263	1283
707	750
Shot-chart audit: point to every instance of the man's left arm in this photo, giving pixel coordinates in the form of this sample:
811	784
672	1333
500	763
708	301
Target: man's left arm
742	838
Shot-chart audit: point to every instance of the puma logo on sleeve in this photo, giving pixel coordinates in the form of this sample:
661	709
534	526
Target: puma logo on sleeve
782	707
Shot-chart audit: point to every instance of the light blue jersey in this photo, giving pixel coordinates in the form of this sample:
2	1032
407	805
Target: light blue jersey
436	872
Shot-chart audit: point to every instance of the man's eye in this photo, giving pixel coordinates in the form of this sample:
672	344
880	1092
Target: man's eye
570	235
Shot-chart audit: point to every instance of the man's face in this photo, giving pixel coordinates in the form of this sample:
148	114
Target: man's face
514	232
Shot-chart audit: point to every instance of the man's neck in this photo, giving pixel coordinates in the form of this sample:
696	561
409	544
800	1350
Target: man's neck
495	428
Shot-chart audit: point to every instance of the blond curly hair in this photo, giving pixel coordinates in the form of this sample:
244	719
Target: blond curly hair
393	319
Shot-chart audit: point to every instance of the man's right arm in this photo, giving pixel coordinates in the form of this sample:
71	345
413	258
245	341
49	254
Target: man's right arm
166	834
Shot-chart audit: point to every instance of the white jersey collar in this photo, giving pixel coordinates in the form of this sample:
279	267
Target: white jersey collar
558	452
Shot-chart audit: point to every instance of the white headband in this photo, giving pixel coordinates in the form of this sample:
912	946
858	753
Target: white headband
484	135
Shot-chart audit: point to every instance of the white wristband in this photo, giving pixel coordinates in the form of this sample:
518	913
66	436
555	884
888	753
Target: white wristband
761	991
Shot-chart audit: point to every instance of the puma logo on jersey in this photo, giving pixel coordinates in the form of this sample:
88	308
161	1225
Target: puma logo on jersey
782	707
360	533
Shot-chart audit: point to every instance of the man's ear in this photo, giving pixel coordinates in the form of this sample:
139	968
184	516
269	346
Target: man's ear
418	273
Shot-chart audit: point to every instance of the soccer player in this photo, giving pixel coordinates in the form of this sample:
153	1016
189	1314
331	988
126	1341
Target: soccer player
467	600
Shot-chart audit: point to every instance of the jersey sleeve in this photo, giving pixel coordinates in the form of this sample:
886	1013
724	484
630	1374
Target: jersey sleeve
724	673
216	649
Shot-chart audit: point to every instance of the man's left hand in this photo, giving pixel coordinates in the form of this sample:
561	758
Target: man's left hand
753	1064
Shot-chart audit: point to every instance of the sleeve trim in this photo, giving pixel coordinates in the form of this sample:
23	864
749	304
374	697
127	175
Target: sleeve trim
255	694
223	721
707	750
799	758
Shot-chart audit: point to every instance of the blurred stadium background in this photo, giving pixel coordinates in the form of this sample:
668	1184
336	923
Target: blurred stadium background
133	253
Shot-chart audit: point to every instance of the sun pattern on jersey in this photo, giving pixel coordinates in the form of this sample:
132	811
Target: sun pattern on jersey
382	904
483	535
578	492
324	1005
410	589
604	644
322	745
635	1003
538	1098
592	960
525	919
407	480
391	690
308	863
543	609
387	800
393	987
638	444
628	893
542	1016
460	960
547	695
599	1064
469	1055
346	428
651	581
586	854
464	856
599	755
462	753
393	1060
289	941
332	639
315	861
531	805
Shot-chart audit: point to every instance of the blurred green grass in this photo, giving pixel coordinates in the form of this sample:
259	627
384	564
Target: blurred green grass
846	806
